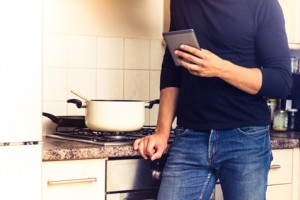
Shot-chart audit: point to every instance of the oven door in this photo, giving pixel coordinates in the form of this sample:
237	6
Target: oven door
130	179
134	174
138	195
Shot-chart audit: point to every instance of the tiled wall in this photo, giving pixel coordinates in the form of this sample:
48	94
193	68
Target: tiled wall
103	49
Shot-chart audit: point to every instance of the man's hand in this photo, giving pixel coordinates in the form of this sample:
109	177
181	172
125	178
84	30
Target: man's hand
151	146
201	62
207	64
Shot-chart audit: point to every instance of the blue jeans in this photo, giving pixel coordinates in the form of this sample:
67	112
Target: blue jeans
240	158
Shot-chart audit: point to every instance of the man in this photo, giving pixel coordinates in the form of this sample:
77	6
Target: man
219	99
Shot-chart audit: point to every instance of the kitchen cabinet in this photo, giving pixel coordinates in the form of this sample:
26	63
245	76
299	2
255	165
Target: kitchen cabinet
74	180
291	10
20	172
283	180
280	175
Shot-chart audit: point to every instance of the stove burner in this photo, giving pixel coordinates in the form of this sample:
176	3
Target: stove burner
115	137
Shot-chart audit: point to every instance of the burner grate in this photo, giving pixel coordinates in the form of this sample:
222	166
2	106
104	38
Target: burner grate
102	137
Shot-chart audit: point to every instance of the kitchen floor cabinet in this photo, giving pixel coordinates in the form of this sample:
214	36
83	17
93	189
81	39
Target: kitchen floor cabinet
279	192
283	180
291	10
20	172
73	180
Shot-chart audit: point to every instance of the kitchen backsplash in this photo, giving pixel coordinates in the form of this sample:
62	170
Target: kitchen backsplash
103	49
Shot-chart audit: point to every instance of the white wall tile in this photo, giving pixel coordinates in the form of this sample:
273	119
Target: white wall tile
82	52
110	84
58	108
136	84
55	84
55	50
157	51
147	117
73	110
137	54
110	53
83	81
153	115
154	84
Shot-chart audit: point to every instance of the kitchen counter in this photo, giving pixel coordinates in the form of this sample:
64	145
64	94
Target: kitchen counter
57	149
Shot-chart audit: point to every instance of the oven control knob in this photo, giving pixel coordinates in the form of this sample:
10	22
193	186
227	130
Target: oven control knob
156	175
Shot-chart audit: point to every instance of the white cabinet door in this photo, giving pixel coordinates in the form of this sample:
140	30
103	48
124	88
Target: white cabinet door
291	10
281	171
20	172
74	180
279	192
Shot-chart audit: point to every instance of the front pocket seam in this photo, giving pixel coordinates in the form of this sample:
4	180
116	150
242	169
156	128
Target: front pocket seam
253	133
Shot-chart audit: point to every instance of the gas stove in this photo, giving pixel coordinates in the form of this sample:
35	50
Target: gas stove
103	138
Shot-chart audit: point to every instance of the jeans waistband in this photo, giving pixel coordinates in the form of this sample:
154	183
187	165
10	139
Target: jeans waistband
182	129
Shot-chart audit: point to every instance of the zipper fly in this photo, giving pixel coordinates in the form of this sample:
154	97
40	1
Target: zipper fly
212	146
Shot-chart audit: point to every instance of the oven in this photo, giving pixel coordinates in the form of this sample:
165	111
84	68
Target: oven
133	178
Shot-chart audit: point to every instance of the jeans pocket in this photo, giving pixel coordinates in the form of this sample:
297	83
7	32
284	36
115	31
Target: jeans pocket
180	131
253	130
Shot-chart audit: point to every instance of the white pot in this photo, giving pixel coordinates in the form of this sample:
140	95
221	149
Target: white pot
114	115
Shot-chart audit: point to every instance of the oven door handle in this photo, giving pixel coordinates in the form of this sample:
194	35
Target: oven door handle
156	175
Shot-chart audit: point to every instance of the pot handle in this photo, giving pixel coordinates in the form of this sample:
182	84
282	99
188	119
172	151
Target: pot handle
151	103
52	117
77	102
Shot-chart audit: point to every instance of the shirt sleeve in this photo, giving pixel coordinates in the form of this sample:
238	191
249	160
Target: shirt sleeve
273	51
170	73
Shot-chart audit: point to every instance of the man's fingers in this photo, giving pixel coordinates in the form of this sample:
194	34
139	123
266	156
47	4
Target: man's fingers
140	145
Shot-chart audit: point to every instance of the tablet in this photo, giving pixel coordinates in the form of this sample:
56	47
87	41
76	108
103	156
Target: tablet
176	38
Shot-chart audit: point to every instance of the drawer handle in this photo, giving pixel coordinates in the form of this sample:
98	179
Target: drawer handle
275	166
71	181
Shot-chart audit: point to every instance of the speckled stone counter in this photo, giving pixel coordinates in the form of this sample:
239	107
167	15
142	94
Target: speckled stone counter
57	149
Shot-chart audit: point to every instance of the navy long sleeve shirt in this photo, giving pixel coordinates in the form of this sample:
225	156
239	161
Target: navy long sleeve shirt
249	33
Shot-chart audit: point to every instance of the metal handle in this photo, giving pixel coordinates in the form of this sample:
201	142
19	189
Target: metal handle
72	181
275	166
77	102
151	103
156	175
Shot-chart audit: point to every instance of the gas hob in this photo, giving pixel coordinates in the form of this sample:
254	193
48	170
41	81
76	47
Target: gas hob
103	138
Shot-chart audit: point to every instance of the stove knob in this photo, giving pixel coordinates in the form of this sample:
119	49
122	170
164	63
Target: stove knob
156	175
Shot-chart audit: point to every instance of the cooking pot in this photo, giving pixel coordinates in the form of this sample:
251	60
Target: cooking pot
114	115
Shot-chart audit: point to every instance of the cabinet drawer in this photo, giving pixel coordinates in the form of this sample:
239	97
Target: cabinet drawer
279	192
74	180
281	167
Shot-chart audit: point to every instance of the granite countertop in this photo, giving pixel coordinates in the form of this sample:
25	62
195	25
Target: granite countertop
58	149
